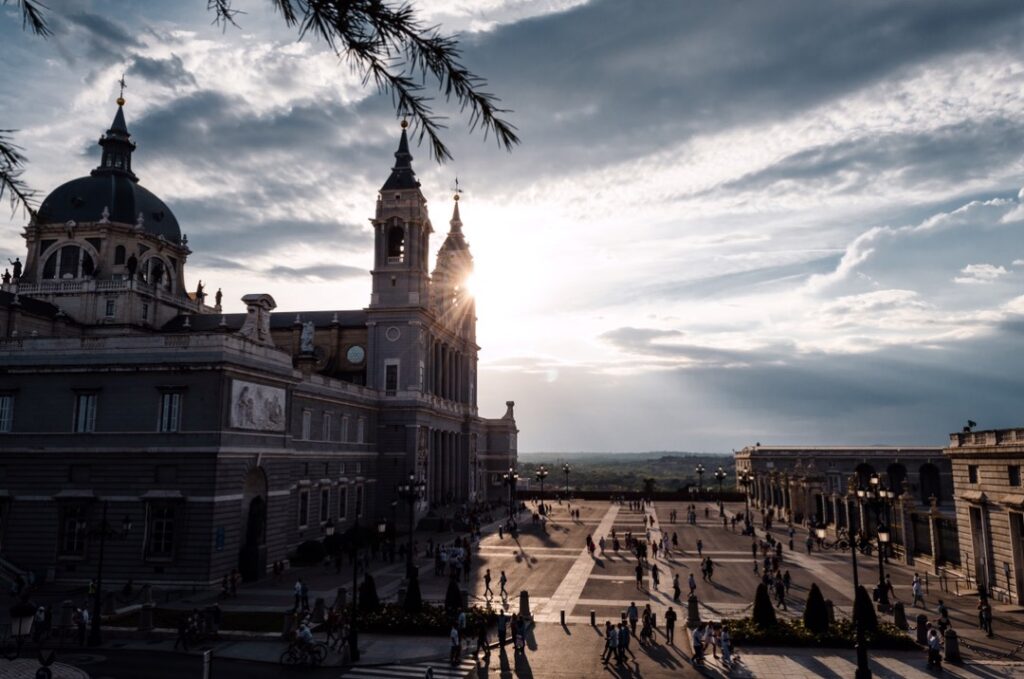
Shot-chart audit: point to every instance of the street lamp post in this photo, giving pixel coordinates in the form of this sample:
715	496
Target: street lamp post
845	540
103	531
700	477
746	479
410	492
565	470
353	635
878	498
541	474
720	474
511	478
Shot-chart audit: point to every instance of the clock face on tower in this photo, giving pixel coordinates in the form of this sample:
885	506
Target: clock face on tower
355	354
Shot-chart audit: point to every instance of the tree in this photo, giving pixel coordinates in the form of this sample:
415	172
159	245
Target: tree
413	603
649	484
368	599
764	613
383	41
816	611
453	598
864	612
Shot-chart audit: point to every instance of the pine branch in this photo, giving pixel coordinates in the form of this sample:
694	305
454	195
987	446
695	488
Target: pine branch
12	163
32	17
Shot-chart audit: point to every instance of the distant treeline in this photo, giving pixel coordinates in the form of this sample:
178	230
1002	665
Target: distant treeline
670	471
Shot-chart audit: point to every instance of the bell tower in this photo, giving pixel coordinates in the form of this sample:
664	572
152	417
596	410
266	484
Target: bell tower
401	237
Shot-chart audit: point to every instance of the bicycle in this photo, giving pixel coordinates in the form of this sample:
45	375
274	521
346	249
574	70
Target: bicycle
304	654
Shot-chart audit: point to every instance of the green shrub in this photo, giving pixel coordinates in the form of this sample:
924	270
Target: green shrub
413	603
840	634
368	599
764	613
864	611
432	620
815	611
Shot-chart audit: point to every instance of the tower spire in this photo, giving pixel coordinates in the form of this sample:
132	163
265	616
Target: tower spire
402	175
117	144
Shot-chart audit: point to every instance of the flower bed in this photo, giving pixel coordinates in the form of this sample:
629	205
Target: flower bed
431	621
841	634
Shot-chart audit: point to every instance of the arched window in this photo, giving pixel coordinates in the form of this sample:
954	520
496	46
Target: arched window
396	245
68	262
119	254
897	474
155	272
929	483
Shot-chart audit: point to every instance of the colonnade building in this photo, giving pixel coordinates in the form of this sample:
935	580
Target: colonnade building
227	439
810	485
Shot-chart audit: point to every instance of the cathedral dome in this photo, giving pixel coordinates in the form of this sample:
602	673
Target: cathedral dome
111	191
84	199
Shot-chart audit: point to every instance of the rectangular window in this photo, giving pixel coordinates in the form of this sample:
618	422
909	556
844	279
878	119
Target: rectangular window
160	531
325	427
390	379
342	502
72	530
85	412
342	469
303	508
6	412
145	311
111	306
344	428
325	503
307	424
972	473
361	430
358	467
359	501
1014	473
170	411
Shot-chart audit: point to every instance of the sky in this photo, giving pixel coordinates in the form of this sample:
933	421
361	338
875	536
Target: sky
792	222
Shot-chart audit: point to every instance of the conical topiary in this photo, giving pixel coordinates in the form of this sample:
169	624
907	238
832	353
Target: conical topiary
368	599
863	612
815	611
764	612
413	603
453	598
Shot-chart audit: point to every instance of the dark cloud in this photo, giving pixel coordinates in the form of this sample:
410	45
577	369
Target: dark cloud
168	72
322	272
649	342
100	40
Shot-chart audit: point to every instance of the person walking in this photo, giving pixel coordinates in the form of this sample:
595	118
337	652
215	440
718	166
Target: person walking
304	591
675	587
697	641
710	568
693	584
934	649
624	643
918	591
632	614
985	616
654	576
943	620
700	547
297	590
639	575
487	584
503	580
786	580
670	626
502	622
481	640
726	643
454	644
610	641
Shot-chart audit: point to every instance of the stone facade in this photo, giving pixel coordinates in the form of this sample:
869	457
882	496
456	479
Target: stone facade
809	485
226	439
990	508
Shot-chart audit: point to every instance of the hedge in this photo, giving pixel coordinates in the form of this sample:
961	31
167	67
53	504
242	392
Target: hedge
840	634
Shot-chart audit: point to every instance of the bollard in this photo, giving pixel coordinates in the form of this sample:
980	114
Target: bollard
952	646
692	611
146	618
922	629
593	618
524	604
899	616
561	615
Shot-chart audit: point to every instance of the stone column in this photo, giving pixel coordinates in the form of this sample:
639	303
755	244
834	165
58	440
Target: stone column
933	535
901	514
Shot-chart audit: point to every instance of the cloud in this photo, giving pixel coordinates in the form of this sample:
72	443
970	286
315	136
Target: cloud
324	272
170	72
980	274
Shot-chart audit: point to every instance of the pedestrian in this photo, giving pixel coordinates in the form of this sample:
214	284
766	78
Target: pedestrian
487	584
726	645
235	578
454	644
503	580
710	566
753	549
632	614
675	587
780	593
808	543
670	625
600	544
693	584
481	640
297	591
675	540
624	643
639	575
700	547
305	596
654	576
610	641
985	615
934	649
697	641
501	532
943	621
786	580
502	622
520	640
918	591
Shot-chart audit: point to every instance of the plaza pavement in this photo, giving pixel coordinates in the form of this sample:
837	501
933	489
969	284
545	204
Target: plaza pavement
553	565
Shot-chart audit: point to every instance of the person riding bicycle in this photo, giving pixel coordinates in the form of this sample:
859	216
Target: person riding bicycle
304	638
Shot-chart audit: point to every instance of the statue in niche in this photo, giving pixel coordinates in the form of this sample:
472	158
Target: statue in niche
105	215
140	222
306	338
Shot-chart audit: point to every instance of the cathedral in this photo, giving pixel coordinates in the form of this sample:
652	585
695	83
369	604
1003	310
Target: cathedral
225	440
